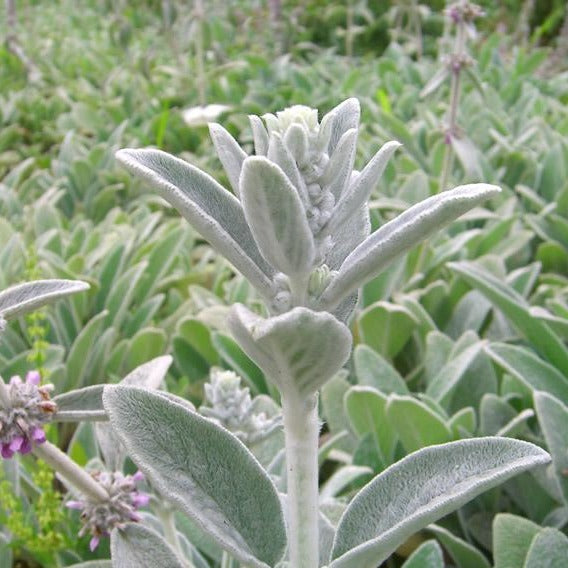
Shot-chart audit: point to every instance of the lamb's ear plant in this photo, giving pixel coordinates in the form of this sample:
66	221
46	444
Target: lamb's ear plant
297	226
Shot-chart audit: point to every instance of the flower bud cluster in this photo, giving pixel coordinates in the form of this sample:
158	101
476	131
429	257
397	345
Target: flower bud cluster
231	406
25	407
124	499
307	142
464	11
458	61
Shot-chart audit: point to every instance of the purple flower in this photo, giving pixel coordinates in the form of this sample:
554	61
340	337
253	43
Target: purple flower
25	407
124	499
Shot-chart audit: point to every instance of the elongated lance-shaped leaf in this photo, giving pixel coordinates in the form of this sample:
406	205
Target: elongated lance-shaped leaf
553	419
341	119
276	217
299	350
337	173
89	400
401	234
24	298
279	154
517	310
360	189
422	488
210	209
259	134
230	153
205	471
137	545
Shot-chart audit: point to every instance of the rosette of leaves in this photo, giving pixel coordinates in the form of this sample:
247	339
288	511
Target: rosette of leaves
297	227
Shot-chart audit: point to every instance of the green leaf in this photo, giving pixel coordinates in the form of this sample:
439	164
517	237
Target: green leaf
415	423
198	335
553	419
298	351
548	549
442	386
341	479
136	545
386	327
422	488
374	371
122	294
512	538
23	298
366	409
463	423
398	236
427	555
516	309
91	564
243	365
202	469
529	369
160	261
79	358
147	344
463	554
276	217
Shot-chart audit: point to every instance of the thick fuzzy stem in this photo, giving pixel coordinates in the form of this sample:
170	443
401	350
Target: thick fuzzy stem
301	428
73	474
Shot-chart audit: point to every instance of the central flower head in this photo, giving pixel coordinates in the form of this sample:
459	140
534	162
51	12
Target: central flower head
24	413
124	499
305	116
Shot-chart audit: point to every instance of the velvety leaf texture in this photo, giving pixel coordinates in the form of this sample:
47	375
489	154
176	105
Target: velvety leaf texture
399	235
204	470
24	298
360	190
276	217
343	117
230	153
298	350
422	488
210	208
137	545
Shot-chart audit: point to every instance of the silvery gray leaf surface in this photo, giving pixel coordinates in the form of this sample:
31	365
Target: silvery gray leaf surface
299	350
259	134
230	153
338	170
360	188
348	236
342	118
212	210
136	545
29	296
280	155
149	375
276	217
203	470
421	488
401	234
90	399
297	143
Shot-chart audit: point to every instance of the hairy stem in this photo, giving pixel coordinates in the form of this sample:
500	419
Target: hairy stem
452	122
301	429
68	469
200	51
166	516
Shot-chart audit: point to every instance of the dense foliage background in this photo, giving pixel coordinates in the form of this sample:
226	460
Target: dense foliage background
462	330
